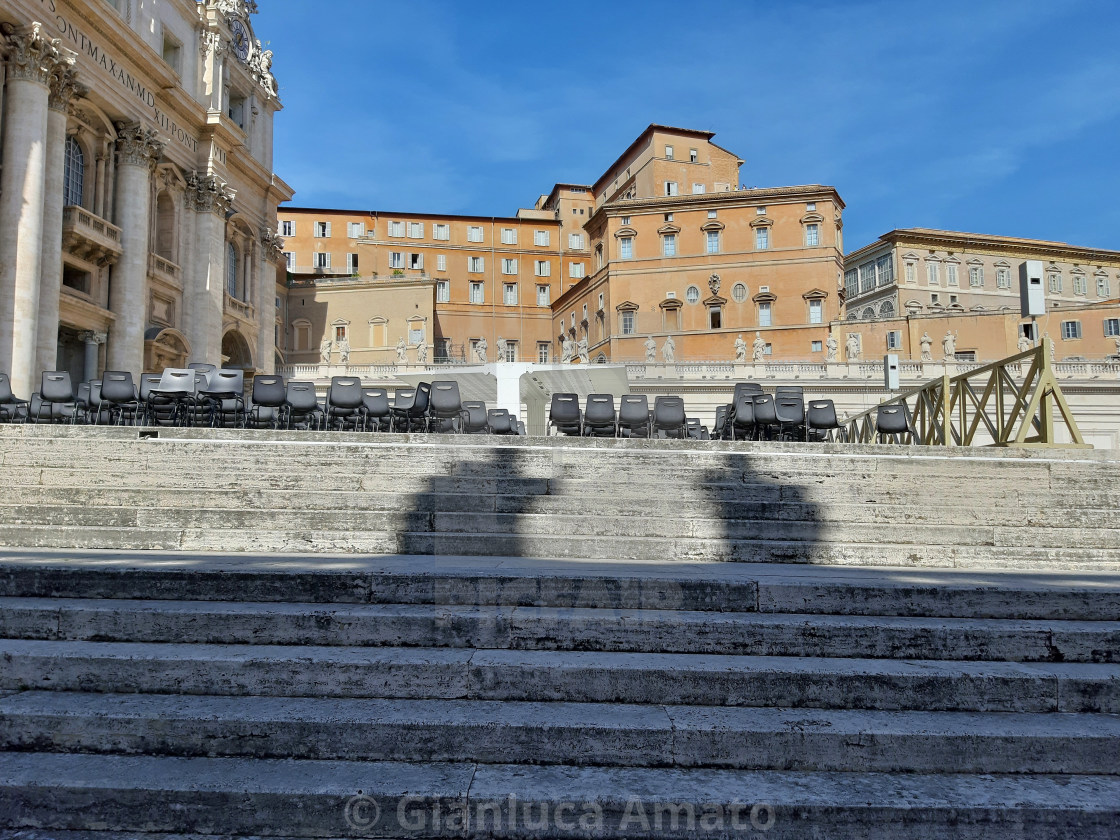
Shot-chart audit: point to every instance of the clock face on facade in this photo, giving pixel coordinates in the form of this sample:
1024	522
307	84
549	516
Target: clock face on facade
240	40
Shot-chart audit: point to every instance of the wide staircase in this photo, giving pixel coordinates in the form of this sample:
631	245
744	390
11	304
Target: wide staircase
281	635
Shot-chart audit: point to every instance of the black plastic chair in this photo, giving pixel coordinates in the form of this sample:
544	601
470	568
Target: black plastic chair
173	401
765	416
377	414
267	401
473	419
894	421
500	422
404	399
564	415
669	417
445	407
343	405
301	406
118	399
820	420
12	408
741	423
599	417
633	416
223	398
56	396
790	412
695	429
416	415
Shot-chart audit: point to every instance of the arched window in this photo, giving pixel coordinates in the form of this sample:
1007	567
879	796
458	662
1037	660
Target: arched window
231	270
74	173
886	309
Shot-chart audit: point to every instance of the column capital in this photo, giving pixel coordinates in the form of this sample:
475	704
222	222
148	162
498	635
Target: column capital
31	55
206	194
64	87
91	337
138	146
272	244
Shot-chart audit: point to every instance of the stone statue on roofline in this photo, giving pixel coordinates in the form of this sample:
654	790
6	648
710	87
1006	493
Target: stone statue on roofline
325	351
1025	344
344	352
566	349
927	347
949	343
584	352
481	349
651	349
740	350
669	350
421	353
402	351
758	348
502	349
852	346
833	348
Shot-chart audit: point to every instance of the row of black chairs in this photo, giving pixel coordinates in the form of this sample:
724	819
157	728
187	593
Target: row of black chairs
632	418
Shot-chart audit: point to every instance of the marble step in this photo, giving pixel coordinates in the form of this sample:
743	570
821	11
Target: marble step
599	734
574	676
552	628
250	797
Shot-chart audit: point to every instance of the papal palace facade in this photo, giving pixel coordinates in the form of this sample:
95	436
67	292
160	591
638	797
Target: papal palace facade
137	198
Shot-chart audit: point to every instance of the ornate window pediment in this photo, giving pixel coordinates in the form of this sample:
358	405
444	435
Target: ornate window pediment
815	294
713	225
1003	264
668	229
762	221
627	306
671	303
975	261
625	231
910	255
715	300
765	297
810	218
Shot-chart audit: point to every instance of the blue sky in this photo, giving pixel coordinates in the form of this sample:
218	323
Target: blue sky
983	116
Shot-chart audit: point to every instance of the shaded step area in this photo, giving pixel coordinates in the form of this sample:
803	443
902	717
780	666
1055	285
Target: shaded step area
558	628
512	581
382	799
573	676
581	734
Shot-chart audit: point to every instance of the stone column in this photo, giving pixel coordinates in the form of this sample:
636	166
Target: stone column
63	88
91	340
32	59
204	289
270	254
138	151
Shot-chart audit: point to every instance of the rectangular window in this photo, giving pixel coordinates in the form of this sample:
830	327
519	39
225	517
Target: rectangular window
1111	327
416	261
443	291
509	294
816	346
541	237
415	230
669	245
352	263
322	260
884	267
355	229
476	265
172	51
396	259
934	297
441	232
867	277
544	295
511	351
693	155
287	228
1071	329
1003	278
477	295
575	241
670	188
816	311
668	153
812	235
396	228
626	248
543	348
289	260
625	220
934	274
322	230
1080	287
761	238
760	211
509	266
715	318
1055	280
542	268
474	233
764	314
713	241
697	189
976	275
851	283
1102	287
627	322
911	275
441	262
894	340
952	275
509	236
575	270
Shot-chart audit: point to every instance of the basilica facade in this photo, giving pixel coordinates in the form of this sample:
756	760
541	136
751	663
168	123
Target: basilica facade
137	198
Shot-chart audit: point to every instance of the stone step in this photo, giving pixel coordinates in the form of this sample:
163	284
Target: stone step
251	797
559	733
518	581
574	676
551	628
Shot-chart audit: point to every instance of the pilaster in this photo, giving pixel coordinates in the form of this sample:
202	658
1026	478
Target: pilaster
204	290
271	254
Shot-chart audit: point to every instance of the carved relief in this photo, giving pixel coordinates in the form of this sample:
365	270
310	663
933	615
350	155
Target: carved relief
31	56
209	40
138	146
272	244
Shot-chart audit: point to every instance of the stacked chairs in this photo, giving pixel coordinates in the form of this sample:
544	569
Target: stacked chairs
473	419
669	418
221	398
267	401
765	416
741	419
695	429
301	406
410	407
633	416
564	416
789	408
725	429
445	407
12	408
118	400
172	401
342	408
599	417
377	413
500	422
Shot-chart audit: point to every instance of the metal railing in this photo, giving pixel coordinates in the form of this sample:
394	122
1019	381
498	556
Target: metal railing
991	405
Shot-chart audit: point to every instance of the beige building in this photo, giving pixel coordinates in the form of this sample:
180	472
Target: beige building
137	202
665	247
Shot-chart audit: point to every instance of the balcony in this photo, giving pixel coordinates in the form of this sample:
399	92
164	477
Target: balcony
165	270
344	279
240	309
89	237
